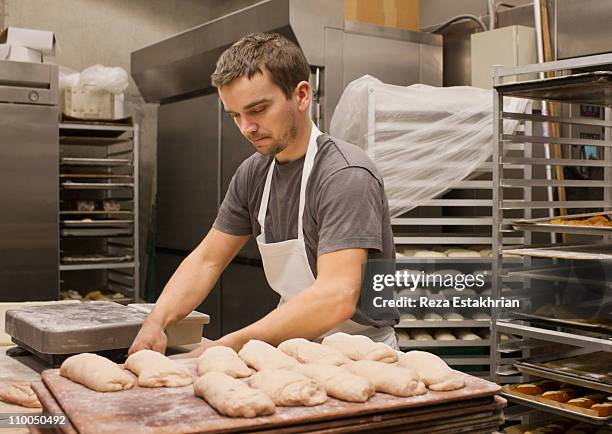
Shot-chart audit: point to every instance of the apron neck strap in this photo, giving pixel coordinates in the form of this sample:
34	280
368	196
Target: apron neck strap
311	152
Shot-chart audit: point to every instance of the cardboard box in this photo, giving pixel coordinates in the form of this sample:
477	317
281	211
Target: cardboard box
41	40
86	103
403	14
17	53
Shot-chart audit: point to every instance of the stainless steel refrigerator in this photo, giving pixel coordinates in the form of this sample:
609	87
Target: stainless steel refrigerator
29	196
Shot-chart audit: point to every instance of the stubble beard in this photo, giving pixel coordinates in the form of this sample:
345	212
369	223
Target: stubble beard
288	136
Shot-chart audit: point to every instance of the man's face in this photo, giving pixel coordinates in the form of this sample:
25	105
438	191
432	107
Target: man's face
262	112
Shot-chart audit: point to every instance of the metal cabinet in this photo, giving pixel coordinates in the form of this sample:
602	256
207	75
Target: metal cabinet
29	199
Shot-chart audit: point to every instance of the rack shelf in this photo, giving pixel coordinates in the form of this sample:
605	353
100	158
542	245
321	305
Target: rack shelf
560	268
99	163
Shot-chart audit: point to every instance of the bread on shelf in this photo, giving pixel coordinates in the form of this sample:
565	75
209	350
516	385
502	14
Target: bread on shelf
604	409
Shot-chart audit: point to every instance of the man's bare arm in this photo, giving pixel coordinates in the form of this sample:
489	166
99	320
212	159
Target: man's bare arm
331	300
189	286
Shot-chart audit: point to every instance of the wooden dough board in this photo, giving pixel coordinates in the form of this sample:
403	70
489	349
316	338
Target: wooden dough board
173	410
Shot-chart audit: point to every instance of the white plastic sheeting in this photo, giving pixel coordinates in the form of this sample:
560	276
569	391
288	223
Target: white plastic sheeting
423	139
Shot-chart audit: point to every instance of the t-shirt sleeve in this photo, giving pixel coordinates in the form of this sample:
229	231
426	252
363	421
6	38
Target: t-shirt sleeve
350	211
233	217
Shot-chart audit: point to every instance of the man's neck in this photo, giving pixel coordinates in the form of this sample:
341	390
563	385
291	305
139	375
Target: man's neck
298	148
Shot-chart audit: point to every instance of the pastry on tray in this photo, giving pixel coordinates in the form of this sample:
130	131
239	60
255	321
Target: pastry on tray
596	220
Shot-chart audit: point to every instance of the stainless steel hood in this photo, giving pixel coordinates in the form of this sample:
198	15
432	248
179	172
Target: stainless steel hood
181	65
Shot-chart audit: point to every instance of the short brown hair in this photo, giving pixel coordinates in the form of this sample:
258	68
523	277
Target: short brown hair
282	58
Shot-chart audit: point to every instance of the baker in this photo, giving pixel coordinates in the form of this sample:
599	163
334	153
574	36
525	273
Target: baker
316	206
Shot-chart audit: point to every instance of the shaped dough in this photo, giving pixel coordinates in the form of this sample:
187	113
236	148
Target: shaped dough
232	397
421	335
453	316
20	394
387	378
432	316
444	335
338	382
305	351
429	254
462	253
431	370
481	316
467	335
261	355
156	370
222	359
96	372
288	388
358	347
407	317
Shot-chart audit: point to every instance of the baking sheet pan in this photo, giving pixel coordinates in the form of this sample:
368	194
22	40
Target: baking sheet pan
543	225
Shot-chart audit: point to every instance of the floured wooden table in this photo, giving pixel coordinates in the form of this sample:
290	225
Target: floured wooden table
177	410
15	371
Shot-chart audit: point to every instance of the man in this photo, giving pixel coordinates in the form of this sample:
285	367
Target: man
316	206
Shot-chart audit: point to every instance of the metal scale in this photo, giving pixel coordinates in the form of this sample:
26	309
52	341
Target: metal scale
55	332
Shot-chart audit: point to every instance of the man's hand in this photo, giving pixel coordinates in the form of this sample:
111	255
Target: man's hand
197	352
150	337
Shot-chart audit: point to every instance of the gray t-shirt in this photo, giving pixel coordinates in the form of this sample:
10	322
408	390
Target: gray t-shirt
346	207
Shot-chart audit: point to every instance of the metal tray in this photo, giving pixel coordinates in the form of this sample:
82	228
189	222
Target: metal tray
563	377
404	343
94	259
594	252
95	232
568	323
542	225
551	408
586	88
72	161
421	324
96	223
95	185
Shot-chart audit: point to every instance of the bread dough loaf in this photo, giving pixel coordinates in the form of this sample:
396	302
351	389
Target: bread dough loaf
407	317
358	347
338	382
402	335
429	254
288	388
232	397
156	370
453	316
387	378
421	335
222	359
96	372
462	253
261	355
444	335
305	351
467	335
481	316
20	394
431	370
432	316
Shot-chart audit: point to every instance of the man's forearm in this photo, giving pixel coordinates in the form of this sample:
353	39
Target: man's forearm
310	314
187	288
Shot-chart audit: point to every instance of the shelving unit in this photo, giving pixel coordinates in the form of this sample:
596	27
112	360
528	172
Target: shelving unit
563	279
460	218
98	216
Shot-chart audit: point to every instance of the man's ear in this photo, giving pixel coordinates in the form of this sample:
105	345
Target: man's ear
303	96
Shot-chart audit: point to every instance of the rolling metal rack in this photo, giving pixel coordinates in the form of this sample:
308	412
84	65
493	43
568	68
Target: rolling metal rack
99	225
563	290
461	217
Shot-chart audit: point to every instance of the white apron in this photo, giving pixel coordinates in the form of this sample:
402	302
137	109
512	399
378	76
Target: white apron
286	263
